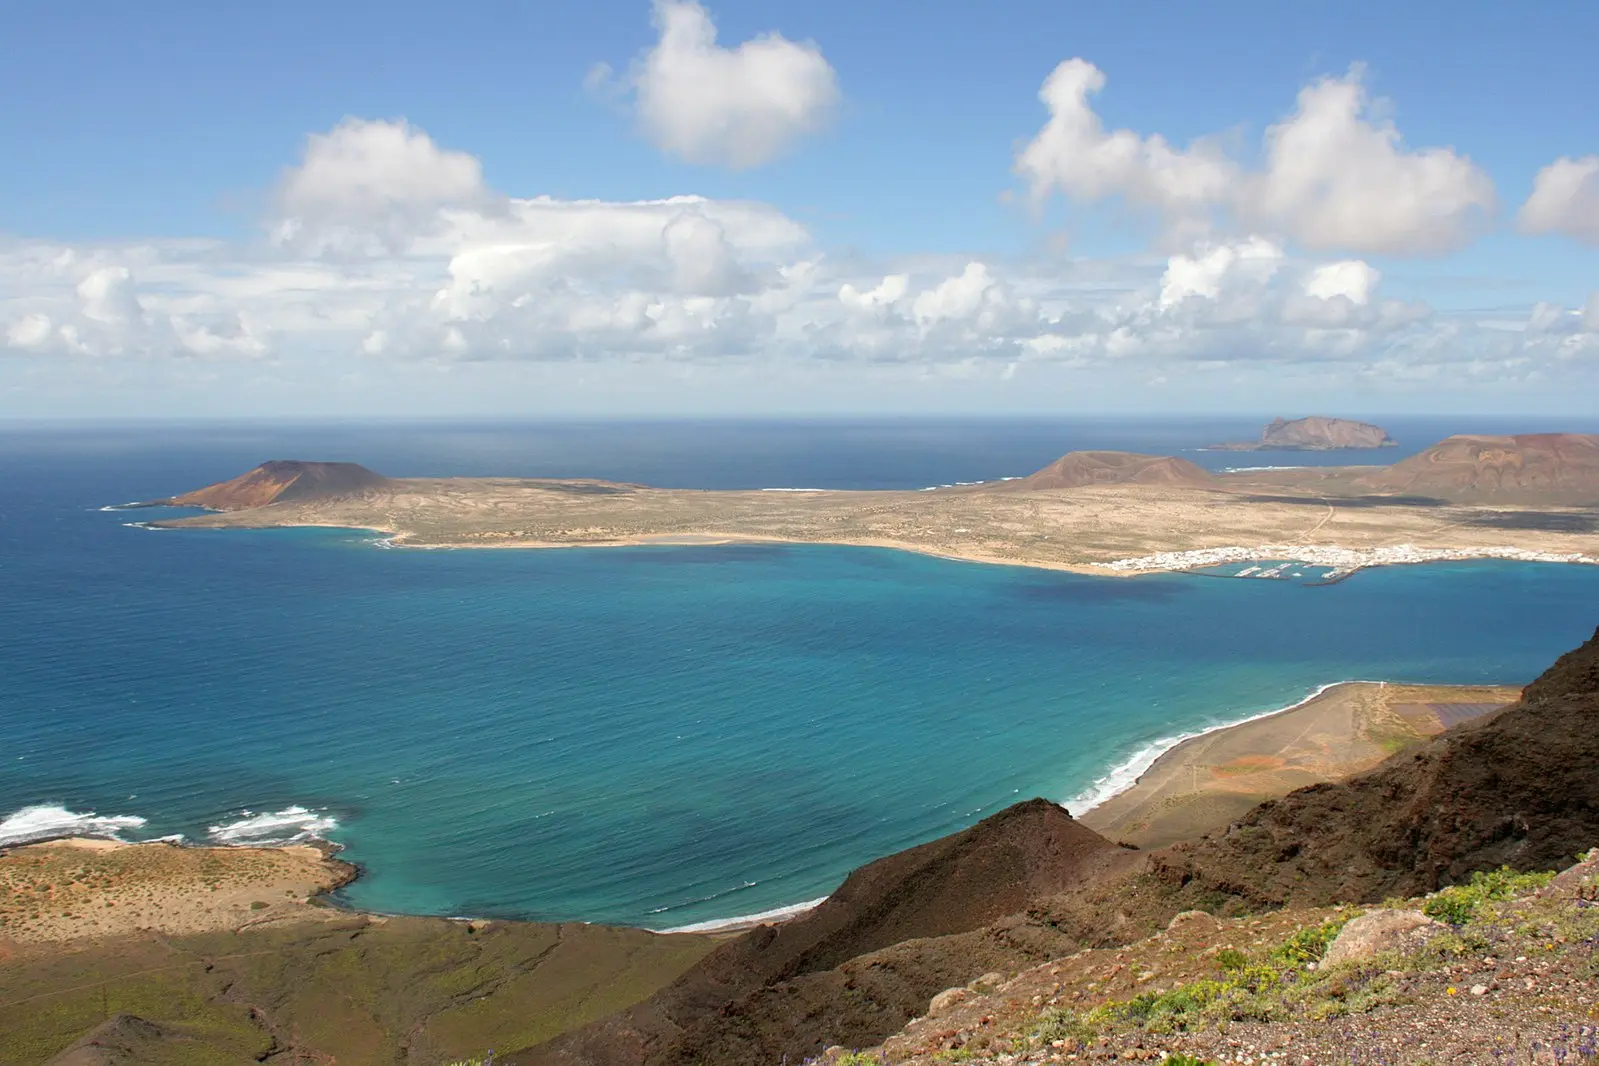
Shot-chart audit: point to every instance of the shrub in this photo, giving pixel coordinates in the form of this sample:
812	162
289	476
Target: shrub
1459	904
1309	944
1230	959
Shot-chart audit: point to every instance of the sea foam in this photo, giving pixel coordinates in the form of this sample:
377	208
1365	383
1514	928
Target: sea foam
49	822
775	914
291	825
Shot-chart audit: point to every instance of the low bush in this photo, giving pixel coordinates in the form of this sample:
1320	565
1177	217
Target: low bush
1459	904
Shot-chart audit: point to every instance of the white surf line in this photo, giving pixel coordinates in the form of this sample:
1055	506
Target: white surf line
775	914
1340	561
1124	775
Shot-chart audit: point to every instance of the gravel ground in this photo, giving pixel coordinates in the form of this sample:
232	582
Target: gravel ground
1516	983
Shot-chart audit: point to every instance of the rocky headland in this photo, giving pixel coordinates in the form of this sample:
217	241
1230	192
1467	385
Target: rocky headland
1316	433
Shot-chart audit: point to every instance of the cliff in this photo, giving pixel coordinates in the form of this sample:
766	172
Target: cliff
281	480
1314	434
1530	468
1077	469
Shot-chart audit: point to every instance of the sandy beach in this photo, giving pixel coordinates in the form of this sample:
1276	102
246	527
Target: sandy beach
1207	781
85	888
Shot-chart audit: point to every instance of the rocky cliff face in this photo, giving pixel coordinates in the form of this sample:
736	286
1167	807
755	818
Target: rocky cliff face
1314	434
280	480
1531	468
1077	469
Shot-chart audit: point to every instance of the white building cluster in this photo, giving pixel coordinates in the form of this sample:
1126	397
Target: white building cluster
1341	561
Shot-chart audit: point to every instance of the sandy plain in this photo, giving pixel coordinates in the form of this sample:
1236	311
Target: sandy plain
83	888
1078	529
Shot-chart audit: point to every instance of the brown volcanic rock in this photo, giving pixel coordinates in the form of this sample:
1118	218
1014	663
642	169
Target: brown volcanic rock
1520	788
1540	468
280	480
1314	434
1076	469
786	990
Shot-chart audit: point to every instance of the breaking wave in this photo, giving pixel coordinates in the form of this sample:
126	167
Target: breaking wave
291	825
50	822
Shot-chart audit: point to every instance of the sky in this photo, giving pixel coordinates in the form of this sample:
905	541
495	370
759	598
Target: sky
757	208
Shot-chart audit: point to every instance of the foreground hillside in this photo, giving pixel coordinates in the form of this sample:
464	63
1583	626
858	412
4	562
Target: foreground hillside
1501	970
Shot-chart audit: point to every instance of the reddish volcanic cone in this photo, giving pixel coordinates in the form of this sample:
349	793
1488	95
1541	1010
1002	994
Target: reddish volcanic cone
282	480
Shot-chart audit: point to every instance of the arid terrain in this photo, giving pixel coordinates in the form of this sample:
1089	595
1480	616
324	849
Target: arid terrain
1469	496
77	889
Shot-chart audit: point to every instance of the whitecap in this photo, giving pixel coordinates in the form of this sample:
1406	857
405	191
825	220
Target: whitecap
50	822
291	825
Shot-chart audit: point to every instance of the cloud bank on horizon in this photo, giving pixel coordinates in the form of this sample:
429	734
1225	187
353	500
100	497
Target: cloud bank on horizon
381	248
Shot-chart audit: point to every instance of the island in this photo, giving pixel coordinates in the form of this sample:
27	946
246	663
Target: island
1533	497
1314	434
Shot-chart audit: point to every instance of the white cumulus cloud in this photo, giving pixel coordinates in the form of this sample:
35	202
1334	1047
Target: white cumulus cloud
371	186
737	107
1352	279
1211	271
1075	155
1334	178
1565	200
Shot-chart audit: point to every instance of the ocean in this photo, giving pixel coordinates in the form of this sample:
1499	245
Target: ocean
655	736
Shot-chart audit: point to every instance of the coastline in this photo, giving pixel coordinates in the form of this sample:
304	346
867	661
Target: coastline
1341	562
1125	775
1183	787
1123	778
1126	802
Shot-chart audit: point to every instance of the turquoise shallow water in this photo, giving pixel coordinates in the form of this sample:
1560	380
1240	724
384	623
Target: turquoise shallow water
653	736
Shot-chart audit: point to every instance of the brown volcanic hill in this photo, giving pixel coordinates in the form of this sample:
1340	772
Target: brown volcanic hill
1316	433
280	480
777	991
1543	468
1076	469
1521	788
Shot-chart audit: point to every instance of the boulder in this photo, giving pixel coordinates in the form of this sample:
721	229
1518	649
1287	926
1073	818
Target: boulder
946	1000
1373	934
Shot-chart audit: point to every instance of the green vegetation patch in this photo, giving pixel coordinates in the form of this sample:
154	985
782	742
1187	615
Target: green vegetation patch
1460	904
1310	944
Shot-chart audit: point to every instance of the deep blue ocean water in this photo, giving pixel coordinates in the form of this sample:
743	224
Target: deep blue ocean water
654	736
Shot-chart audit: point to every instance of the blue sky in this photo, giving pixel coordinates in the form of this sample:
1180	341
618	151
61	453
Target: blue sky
170	237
